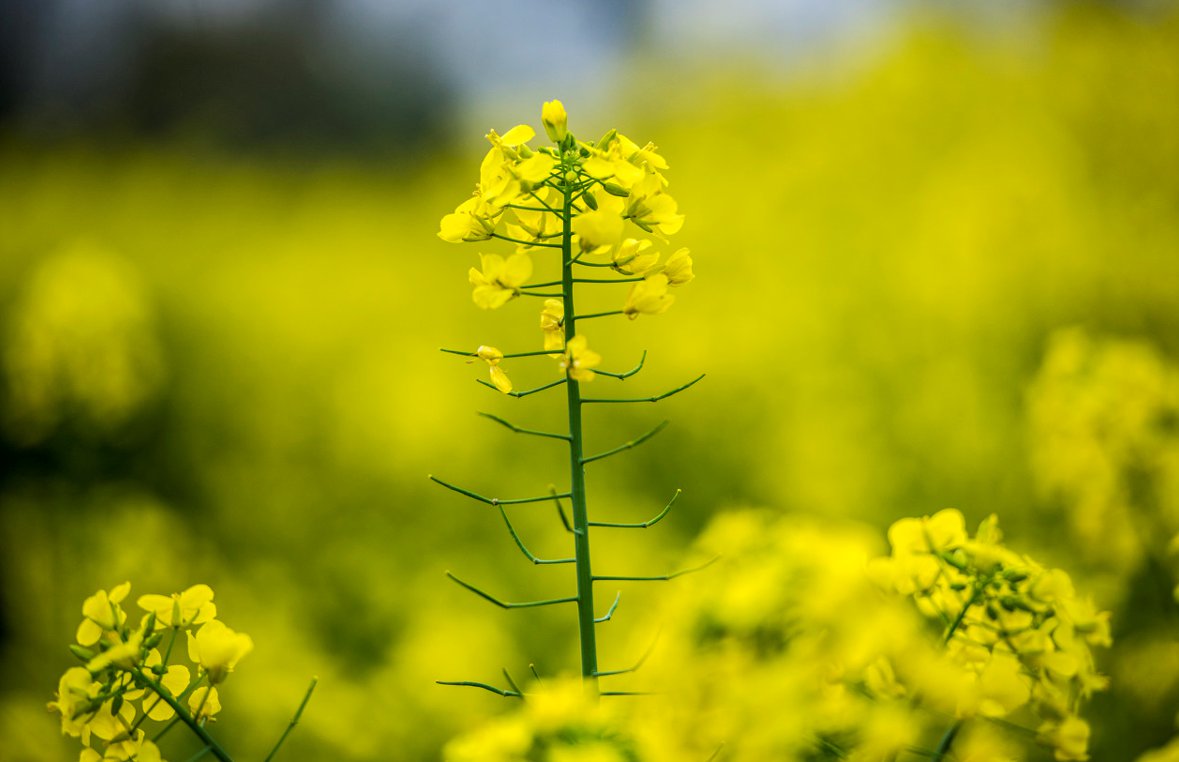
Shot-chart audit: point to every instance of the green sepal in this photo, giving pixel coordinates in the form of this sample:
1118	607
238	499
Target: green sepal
590	201
85	654
615	190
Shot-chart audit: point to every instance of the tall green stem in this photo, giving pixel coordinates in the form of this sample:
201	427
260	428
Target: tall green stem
585	582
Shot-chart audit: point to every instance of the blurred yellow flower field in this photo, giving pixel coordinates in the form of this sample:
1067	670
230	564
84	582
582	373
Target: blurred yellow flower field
946	279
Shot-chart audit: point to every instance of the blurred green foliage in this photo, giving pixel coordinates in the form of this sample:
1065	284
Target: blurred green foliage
226	371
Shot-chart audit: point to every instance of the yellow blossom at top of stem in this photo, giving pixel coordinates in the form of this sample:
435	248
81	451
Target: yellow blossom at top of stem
218	649
648	297
193	606
555	120
552	324
579	359
102	613
500	280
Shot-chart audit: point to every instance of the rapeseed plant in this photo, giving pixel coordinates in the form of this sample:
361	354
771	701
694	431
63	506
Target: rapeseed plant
583	205
129	678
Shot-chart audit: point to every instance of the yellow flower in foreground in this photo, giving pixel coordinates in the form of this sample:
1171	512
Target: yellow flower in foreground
493	357
579	359
552	323
175	679
555	120
193	606
103	613
648	297
218	649
500	279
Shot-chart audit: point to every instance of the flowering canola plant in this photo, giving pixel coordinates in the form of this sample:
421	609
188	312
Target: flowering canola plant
578	207
129	677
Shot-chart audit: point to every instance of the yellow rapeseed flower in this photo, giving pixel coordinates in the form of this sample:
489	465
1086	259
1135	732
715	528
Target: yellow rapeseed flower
579	359
678	268
193	606
218	649
648	297
102	613
500	280
555	120
552	324
493	357
632	257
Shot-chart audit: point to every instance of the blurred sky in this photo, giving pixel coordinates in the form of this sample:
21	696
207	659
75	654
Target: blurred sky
357	73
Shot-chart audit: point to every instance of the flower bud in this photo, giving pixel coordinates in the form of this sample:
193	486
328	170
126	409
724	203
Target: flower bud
552	114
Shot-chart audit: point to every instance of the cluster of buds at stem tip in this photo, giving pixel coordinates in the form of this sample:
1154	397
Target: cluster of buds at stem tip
586	204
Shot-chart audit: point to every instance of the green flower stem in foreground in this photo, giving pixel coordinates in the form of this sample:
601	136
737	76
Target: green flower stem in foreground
600	200
586	627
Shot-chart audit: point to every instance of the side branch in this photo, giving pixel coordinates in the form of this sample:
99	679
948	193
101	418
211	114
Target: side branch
599	314
642	524
508	604
627	374
634	667
656	578
608	280
496	500
509	356
561	511
519	430
626	445
558	382
609	613
294	720
656	398
524	550
509	239
484	686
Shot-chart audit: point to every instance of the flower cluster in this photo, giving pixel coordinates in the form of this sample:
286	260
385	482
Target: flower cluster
803	617
1017	634
129	677
558	723
600	204
1104	420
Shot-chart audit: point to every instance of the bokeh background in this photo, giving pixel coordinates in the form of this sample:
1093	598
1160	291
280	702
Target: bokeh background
937	252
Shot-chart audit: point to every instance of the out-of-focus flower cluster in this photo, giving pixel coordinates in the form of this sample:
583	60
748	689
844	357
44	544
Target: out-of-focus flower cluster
1105	442
1017	632
559	722
801	645
129	677
576	193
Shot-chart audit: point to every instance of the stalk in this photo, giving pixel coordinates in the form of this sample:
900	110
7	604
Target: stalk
585	584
